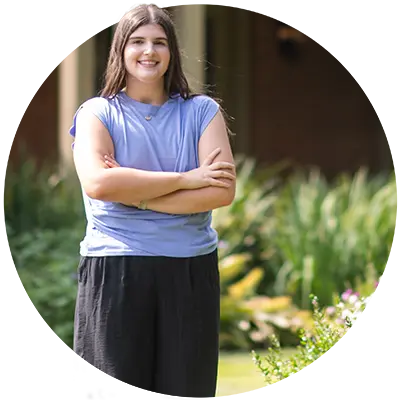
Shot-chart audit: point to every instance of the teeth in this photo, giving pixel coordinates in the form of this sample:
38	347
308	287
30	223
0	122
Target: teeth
147	62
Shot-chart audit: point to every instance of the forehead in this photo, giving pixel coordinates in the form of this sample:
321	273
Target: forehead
150	30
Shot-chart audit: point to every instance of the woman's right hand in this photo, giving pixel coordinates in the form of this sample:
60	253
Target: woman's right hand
219	174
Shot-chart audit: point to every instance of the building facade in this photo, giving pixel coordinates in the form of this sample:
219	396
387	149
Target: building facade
288	97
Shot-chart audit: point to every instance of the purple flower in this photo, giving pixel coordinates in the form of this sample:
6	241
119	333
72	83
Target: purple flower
346	295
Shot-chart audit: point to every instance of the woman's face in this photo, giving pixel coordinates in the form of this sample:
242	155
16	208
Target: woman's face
147	54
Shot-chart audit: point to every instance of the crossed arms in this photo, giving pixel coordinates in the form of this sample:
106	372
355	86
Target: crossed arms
210	186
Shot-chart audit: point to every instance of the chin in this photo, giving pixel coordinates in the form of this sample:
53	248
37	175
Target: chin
149	74
149	77
146	79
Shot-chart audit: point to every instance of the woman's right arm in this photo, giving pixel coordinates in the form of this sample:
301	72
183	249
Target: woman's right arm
127	185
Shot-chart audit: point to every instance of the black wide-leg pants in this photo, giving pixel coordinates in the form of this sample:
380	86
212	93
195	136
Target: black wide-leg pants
146	328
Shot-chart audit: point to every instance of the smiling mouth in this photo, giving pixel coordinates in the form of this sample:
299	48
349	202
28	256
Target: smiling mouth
148	64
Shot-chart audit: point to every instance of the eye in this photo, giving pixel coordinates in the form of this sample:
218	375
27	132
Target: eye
135	41
160	42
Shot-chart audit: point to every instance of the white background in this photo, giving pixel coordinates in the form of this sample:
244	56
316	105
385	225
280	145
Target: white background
33	34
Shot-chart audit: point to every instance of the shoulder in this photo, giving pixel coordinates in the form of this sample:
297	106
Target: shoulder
203	109
101	107
201	106
98	103
202	100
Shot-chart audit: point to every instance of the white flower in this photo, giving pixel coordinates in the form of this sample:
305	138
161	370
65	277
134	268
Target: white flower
261	316
358	304
346	313
244	325
340	305
353	298
280	321
256	336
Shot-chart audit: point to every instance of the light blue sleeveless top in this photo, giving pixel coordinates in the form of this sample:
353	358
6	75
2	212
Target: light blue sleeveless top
168	141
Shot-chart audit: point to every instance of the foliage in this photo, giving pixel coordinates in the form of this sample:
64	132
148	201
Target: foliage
329	235
40	199
328	328
45	223
248	319
244	226
46	261
278	239
307	234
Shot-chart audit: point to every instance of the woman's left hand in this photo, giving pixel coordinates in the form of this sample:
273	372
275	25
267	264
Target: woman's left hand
110	161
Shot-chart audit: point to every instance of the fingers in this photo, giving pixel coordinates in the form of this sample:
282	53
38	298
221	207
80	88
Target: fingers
110	161
110	164
210	158
217	183
222	174
222	165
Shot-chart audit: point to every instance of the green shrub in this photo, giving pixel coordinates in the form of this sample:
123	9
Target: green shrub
329	327
40	199
245	226
45	224
46	261
307	234
247	319
277	240
328	235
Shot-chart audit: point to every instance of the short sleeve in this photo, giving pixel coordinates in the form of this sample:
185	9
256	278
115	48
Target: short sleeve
207	111
100	107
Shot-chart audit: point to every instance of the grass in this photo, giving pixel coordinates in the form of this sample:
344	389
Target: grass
238	374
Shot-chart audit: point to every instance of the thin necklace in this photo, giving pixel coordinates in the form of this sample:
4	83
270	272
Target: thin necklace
149	111
152	114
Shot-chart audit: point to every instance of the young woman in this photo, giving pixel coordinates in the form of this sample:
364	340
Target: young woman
153	160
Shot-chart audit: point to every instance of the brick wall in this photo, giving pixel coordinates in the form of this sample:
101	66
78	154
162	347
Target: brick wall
37	131
307	107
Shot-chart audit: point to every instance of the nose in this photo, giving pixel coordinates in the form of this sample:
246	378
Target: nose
149	49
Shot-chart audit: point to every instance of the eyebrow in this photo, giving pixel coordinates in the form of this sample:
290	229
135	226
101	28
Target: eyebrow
141	37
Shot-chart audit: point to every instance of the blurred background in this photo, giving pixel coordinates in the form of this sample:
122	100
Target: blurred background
316	194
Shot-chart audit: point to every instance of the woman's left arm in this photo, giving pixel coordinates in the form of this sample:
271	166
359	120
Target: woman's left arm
204	199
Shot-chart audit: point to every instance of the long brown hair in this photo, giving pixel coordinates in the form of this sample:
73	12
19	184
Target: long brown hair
115	77
175	81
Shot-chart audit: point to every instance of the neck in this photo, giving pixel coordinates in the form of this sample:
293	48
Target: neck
147	93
